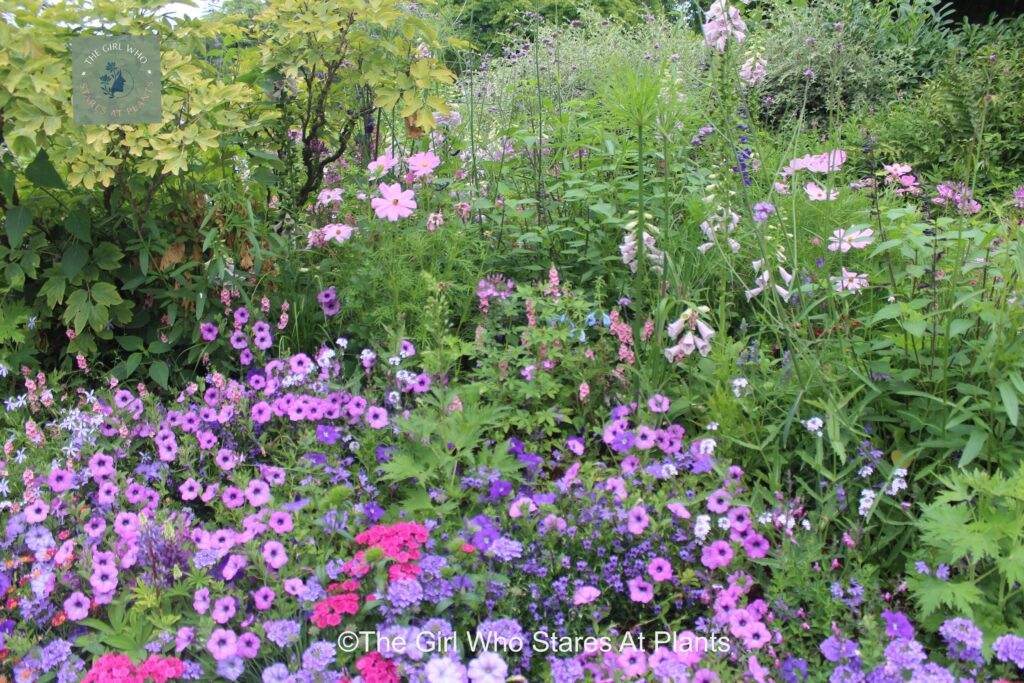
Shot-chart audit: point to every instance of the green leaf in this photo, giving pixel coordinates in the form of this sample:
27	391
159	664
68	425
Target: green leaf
105	294
107	256
1012	566
7	183
1010	401
131	364
18	220
975	442
42	173
53	290
130	343
79	224
74	259
159	373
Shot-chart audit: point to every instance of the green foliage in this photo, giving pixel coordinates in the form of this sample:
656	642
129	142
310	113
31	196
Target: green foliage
970	116
975	530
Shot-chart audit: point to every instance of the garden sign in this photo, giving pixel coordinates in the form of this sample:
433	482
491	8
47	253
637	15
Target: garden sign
116	79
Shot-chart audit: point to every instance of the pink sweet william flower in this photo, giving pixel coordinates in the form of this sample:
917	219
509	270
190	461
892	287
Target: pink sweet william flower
585	595
394	202
423	164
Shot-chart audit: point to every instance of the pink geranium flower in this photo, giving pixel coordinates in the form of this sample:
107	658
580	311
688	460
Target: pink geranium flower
394	202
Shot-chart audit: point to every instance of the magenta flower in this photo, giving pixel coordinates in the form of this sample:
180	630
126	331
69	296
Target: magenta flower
223	610
585	595
208	331
201	600
756	546
658	404
394	202
257	493
719	501
223	643
274	554
280	522
264	598
640	590
376	417
718	554
844	240
36	512
660	569
637	520
76	606
232	497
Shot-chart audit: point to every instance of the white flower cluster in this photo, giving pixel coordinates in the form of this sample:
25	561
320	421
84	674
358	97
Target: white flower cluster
814	425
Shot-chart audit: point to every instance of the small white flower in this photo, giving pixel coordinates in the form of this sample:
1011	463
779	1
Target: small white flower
723	523
702	527
712	427
866	471
740	387
814	425
867	500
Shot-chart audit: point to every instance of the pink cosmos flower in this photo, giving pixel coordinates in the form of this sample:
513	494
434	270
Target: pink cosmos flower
585	595
818	194
843	240
381	165
338	232
850	281
423	164
394	202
